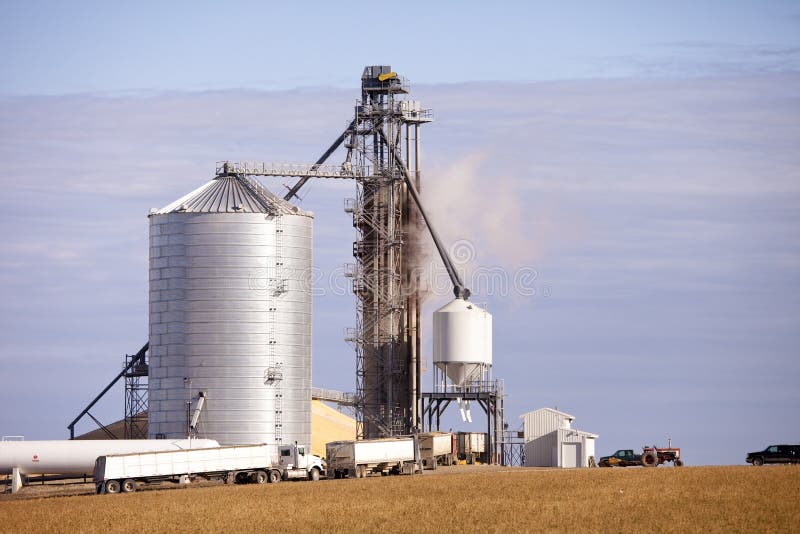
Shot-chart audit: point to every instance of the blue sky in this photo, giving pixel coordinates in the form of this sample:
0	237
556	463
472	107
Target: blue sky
642	160
58	47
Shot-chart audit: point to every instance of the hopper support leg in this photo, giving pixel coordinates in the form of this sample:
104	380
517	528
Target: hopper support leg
16	480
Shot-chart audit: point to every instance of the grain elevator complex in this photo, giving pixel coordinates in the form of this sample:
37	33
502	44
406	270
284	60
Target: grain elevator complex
238	345
229	353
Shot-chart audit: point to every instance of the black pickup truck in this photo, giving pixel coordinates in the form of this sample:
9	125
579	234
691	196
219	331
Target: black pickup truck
775	454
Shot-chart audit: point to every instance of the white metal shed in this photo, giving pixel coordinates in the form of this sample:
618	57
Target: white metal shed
550	440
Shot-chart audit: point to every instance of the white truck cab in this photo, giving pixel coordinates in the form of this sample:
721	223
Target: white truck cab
296	461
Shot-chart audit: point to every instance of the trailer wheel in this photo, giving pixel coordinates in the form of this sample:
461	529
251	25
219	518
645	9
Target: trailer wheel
678	462
129	485
112	486
650	459
274	477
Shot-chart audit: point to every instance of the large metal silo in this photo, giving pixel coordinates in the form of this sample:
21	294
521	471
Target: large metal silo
230	316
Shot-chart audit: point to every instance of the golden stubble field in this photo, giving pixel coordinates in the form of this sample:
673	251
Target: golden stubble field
721	499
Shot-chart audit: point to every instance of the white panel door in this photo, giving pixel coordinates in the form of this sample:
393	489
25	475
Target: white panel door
570	454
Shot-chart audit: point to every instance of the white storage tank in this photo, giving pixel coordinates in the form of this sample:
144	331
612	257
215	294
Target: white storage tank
462	341
77	457
230	315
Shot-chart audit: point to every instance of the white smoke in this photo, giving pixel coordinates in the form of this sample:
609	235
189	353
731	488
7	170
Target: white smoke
486	220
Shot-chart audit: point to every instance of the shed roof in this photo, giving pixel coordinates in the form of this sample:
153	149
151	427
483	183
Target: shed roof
231	194
553	410
580	432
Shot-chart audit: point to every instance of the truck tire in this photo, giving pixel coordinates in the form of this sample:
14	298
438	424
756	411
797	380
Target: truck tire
274	477
128	485
650	459
758	460
260	477
678	462
112	486
314	475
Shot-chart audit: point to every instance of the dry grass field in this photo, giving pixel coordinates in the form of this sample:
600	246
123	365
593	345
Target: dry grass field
720	499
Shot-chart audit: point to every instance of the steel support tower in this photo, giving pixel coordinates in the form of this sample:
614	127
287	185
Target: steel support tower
489	396
385	137
136	398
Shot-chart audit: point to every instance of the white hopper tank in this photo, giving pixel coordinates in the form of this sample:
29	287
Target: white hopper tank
462	341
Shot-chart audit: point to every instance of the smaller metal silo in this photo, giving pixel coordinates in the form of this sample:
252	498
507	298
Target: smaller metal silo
230	316
462	351
462	343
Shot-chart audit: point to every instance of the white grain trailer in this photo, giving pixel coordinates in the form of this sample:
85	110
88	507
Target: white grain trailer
471	447
240	464
357	459
436	448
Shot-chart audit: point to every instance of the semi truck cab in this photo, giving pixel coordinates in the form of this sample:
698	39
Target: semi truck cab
297	462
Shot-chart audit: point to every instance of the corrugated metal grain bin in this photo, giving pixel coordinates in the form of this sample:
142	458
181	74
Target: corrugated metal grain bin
230	315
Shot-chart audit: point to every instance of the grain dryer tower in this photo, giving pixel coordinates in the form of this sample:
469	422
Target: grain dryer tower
230	316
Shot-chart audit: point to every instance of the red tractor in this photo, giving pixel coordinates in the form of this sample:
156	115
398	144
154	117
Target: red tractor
650	457
653	456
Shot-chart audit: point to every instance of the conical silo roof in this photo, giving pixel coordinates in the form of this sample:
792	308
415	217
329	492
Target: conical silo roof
231	194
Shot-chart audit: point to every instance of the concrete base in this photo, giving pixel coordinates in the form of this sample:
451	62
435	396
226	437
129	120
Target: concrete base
16	480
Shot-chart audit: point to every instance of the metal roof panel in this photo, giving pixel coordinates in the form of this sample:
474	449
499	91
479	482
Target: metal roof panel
231	194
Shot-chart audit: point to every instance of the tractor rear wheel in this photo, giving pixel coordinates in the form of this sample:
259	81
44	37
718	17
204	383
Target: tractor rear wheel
650	459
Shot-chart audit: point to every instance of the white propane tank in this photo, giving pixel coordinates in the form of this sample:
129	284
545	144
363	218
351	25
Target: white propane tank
462	340
77	457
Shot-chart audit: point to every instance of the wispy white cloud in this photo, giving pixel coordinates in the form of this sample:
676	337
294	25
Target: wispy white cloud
702	59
